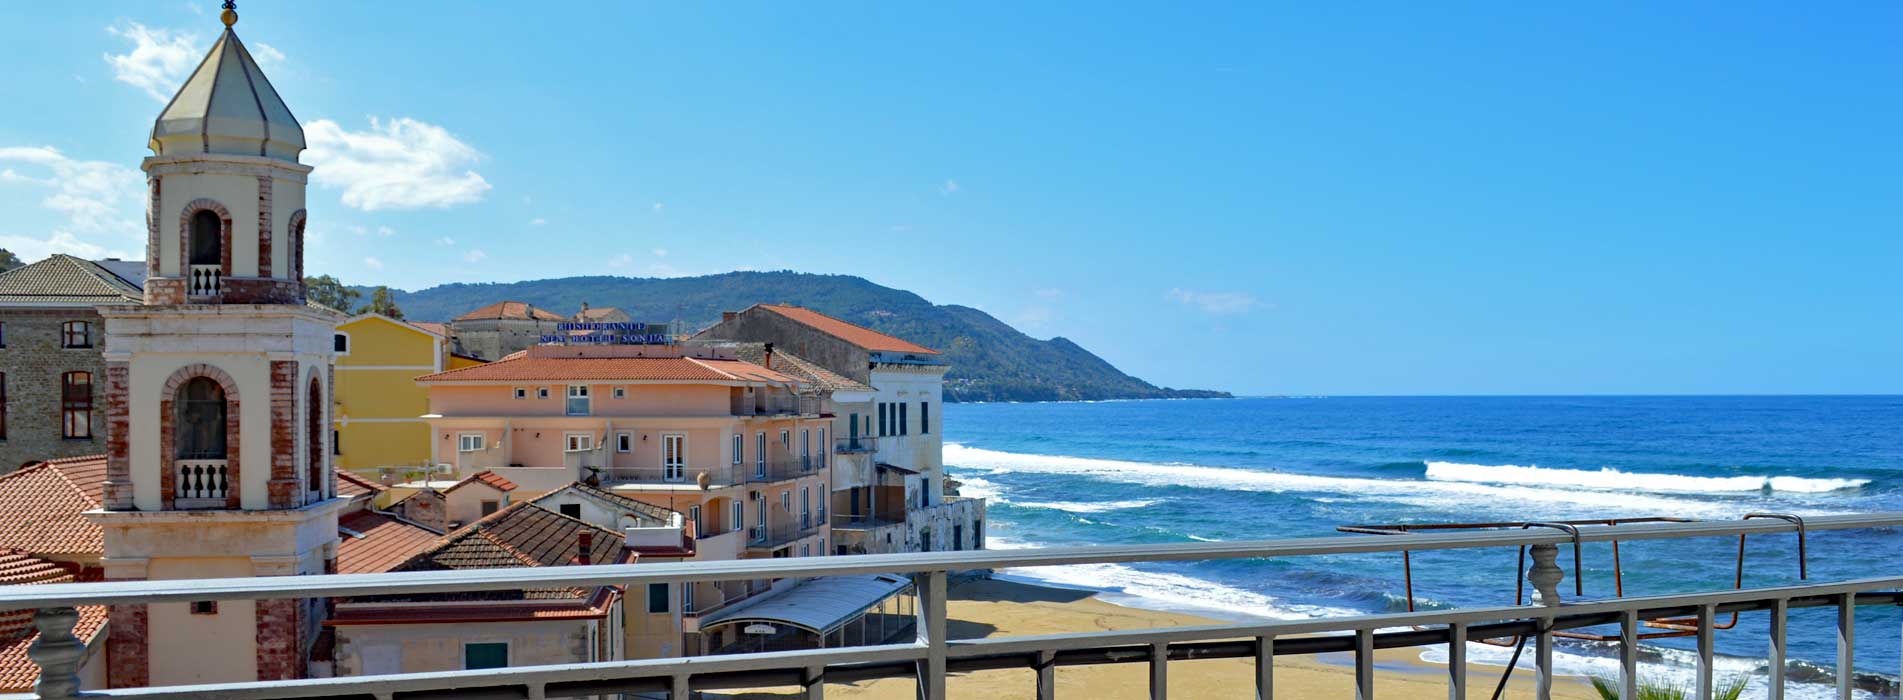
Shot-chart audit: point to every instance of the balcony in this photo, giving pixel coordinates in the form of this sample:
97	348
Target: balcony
935	657
775	405
775	535
205	281
200	484
777	470
701	477
855	445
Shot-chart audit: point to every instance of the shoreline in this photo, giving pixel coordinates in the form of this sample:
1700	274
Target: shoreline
1012	607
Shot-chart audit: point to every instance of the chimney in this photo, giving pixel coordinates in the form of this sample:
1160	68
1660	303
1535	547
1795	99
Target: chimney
726	316
769	356
586	541
584	308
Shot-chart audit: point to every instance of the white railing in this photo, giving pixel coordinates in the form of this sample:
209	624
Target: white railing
204	280
200	483
933	655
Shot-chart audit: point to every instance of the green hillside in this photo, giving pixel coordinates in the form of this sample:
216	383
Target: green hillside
991	361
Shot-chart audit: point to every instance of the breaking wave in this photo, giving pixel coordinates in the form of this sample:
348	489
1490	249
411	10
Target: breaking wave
1082	507
1609	478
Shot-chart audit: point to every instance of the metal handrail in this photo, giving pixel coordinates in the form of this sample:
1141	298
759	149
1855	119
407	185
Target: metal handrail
783	469
935	655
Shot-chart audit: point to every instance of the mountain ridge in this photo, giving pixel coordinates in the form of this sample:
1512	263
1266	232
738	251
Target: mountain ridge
990	360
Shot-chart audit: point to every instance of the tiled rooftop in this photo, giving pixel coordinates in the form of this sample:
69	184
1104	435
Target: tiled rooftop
349	485
372	542
490	478
64	279
852	333
510	310
798	367
524	367
41	506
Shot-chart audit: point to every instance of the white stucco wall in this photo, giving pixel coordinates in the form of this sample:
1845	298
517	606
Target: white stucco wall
365	649
187	648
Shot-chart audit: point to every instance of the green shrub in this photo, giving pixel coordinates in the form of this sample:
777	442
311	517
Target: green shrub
1658	689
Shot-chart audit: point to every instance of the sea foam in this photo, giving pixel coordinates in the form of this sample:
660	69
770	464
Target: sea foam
1609	478
1159	590
1098	507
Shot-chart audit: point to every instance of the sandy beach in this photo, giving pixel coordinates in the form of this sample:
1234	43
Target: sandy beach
990	608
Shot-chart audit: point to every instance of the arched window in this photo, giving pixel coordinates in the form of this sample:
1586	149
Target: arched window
314	439
207	238
200	430
76	405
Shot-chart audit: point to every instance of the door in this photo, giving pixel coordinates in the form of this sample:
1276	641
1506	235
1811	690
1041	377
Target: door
673	457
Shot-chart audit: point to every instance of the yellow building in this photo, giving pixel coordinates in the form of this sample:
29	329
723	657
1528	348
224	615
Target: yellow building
379	405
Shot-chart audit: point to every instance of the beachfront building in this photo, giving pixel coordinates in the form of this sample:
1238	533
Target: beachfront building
217	392
502	329
378	431
893	493
50	363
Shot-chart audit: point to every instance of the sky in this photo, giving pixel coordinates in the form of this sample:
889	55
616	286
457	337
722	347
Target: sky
1268	198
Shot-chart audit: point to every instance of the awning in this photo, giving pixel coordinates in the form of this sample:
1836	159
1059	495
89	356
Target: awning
818	606
897	468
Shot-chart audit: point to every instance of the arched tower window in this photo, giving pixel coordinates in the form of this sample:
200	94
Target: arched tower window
314	439
200	430
207	238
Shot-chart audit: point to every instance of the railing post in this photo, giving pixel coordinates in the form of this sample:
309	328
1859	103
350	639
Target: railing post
1545	574
57	652
1046	675
931	633
1160	671
1264	668
1846	646
815	682
1364	664
1706	652
1780	611
1629	655
1456	661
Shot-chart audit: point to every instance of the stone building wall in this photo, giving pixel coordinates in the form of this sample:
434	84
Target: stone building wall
33	362
756	325
493	339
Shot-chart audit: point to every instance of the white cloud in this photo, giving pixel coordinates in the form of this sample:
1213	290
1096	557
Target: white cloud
373	263
359	230
401	163
159	60
622	260
446	241
538	221
385	231
663	270
267	56
1035	316
1214	302
660	252
657	206
950	187
96	201
474	256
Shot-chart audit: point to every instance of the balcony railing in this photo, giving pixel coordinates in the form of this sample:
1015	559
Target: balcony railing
780	470
933	656
200	483
204	281
862	522
776	534
722	475
776	405
855	445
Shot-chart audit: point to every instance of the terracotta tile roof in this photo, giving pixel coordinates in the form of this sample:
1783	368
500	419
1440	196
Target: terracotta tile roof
17	567
18	672
431	326
349	485
41	506
65	280
487	477
600	312
798	367
372	543
521	367
522	534
653	512
512	310
855	334
596	606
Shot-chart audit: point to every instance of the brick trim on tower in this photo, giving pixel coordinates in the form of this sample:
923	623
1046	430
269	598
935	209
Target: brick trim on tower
264	226
279	647
283	486
296	231
118	489
128	656
152	227
168	447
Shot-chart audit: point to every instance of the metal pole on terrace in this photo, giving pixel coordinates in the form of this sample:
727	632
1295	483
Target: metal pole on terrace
930	656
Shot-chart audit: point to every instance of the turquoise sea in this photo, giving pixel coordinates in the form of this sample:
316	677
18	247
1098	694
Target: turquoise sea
1181	471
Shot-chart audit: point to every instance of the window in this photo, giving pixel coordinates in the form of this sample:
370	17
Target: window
580	442
825	448
469	442
924	492
621	392
521	392
483	655
806	449
806	550
541	392
3	405
624	442
958	537
693	516
925	540
572	510
76	334
340	343
336	444
739	443
204	607
786	501
657	598
578	400
200	431
3	335
903	427
759	454
490	507
739	513
881	420
786	439
824	496
207	235
673	457
924	417
687	597
76	405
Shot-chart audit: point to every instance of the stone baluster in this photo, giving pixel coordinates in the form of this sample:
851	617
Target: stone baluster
1545	574
57	652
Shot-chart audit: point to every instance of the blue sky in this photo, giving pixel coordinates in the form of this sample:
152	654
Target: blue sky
1268	198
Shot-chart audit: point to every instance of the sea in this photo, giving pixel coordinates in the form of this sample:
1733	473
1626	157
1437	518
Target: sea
1138	472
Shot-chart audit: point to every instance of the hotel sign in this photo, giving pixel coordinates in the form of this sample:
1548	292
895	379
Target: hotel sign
605	334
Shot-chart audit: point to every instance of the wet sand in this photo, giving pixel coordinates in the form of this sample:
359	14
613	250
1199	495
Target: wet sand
990	608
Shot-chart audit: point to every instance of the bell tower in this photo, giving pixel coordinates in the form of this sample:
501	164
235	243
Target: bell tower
218	390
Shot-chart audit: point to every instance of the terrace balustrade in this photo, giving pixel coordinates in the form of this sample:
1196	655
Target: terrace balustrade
933	656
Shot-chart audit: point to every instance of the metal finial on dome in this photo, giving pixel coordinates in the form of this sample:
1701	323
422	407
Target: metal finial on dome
230	15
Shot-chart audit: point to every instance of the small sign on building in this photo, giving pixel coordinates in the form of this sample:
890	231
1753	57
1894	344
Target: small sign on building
757	628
